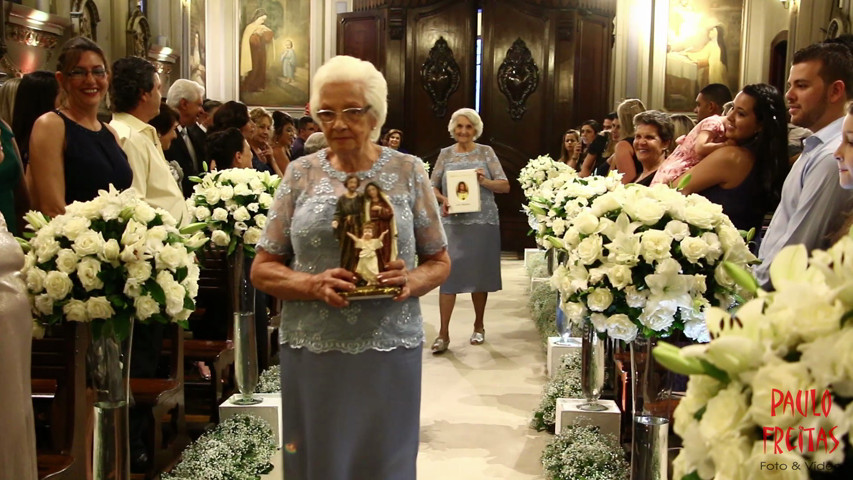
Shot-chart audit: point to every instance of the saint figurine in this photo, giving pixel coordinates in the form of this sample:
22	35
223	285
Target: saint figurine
348	220
378	211
368	262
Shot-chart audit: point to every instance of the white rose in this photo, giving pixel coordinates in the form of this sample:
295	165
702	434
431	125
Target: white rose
45	247
133	232
58	285
242	214
571	239
74	226
678	229
88	243
635	298
588	250
265	199
220	238
575	312
253	207
658	315
725	412
619	276
604	204
111	251
143	213
769	381
99	307
646	210
586	223
693	249
599	299
729	236
139	271
211	195
559	227
170	257
655	245
145	307
702	213
723	278
175	294
201	213
75	311
599	321
252	235
226	192
256	185
220	214
35	279
261	220
621	327
44	304
242	189
87	272
715	248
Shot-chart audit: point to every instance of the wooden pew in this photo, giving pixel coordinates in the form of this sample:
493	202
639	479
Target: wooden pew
59	401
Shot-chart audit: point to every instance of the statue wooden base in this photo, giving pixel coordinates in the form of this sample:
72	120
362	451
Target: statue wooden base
370	292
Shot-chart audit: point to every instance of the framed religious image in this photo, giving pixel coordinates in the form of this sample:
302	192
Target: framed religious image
198	40
274	52
703	47
463	191
366	230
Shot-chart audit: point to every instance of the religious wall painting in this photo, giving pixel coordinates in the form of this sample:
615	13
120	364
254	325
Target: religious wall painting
197	42
274	52
703	46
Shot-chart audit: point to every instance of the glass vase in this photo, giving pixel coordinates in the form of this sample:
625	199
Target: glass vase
651	412
592	368
242	294
108	368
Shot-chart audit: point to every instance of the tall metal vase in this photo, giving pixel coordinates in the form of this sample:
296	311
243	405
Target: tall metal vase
242	294
554	258
592	368
650	432
108	367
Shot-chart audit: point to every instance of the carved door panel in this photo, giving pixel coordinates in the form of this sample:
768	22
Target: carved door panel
593	48
440	72
360	34
516	99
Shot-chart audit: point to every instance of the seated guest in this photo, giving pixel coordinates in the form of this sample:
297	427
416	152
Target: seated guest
260	141
652	135
705	138
228	149
72	153
624	159
607	133
236	115
315	142
205	117
570	148
394	139
746	177
305	127
282	138
594	161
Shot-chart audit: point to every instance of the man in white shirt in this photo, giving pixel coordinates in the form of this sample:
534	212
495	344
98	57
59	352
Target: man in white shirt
813	204
135	97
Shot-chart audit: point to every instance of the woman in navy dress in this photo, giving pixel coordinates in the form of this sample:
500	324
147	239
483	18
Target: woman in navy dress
72	153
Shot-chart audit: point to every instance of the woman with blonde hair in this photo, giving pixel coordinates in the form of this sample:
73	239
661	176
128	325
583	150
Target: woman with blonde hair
260	141
7	98
624	157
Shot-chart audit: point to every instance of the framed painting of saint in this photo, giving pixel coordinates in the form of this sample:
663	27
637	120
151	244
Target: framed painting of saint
197	42
274	52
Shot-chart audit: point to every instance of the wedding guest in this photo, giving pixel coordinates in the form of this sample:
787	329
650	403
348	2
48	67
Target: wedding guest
37	94
208	110
813	203
652	135
282	138
315	142
682	125
594	161
228	149
473	239
18	442
186	96
366	355
166	124
8	93
306	127
624	157
72	153
746	177
712	100
570	148
394	139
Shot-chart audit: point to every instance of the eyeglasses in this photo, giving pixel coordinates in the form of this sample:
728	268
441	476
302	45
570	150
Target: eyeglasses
81	73
349	115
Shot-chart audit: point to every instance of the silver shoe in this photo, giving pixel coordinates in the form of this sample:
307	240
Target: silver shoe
477	338
439	345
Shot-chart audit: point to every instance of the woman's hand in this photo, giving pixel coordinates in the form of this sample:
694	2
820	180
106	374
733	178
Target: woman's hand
445	208
396	275
327	286
481	175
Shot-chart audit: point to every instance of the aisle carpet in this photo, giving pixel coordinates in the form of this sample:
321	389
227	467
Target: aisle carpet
477	400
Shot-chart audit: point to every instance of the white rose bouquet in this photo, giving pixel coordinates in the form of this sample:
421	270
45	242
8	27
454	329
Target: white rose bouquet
537	171
771	396
233	203
561	198
648	261
112	259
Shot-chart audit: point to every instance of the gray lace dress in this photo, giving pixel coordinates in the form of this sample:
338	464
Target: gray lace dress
473	239
351	377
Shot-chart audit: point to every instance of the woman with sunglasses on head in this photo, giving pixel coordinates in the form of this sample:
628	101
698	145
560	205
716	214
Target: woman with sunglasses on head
72	153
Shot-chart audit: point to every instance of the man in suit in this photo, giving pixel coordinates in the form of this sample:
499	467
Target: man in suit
186	96
306	126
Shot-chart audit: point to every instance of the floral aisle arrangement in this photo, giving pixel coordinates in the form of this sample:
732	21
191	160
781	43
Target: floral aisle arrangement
648	261
565	384
771	396
561	198
111	260
233	203
270	380
537	171
239	448
582	452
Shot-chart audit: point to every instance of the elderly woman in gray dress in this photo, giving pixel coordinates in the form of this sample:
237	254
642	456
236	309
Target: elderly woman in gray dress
474	240
352	368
